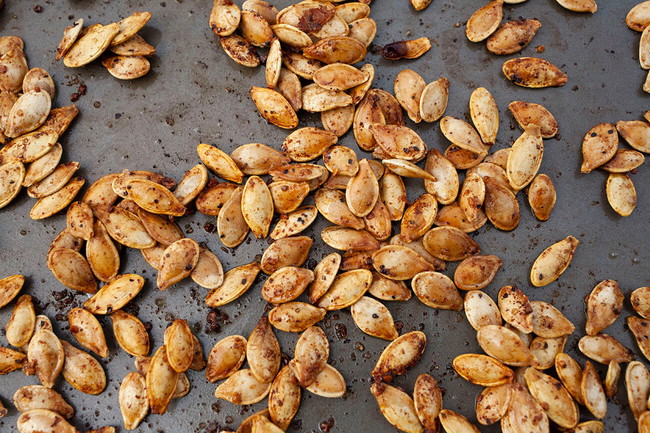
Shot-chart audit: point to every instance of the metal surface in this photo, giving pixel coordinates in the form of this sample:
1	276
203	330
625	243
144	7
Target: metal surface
195	93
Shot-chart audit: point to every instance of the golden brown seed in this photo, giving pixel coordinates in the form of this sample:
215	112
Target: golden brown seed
130	333
482	370
82	371
400	355
257	206
463	135
295	316
32	397
274	107
160	228
54	181
91	45
39	420
516	309
290	251
179	341
533	72
88	332
20	327
346	289
579	5
9	288
28	112
134	46
546	350
513	36
636	133
621	193
541	196
411	49
604	305
286	284
71	269
134	405
236	282
373	318
399	142
399	262
114	295
604	348
44	357
476	272
553	261
637	384
485	115
549	322
257	159
570	374
231	225
525	157
450	244
225	17
47	206
481	310
102	254
639	328
638	17
408	89
527	113
324	274
161	380
592	391
79	220
503	344
598	146
178	261
611	379
526	412
624	160
308	143
263	352
334	49
284	398
640	300
484	21
316	99
397	407
492	404
124	227
225	358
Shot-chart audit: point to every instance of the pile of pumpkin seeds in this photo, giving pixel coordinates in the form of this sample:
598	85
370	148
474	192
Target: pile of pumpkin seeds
361	198
128	61
30	129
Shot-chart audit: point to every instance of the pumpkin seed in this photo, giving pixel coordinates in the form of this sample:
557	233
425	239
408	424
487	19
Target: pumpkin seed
451	215
604	305
472	196
463	135
525	412
611	379
291	251
636	133
85	328
339	76
82	371
291	35
116	294
33	397
553	397
179	342
134	46
579	5
598	146
335	49
44	357
236	282
124	227
212	199
72	270
101	193
527	113
79	220
485	115
338	120
258	159
637	383
513	36
346	289
481	310
549	322
624	160
134	405
231	225
286	284
516	309
70	36
427	399
14	64
38	420
643	423
407	169
484	21
640	300
284	398
43	166
287	195
130	333
604	348
593	393
343	238
296	65
399	142
308	143
20	327
525	157
12	175
373	318
273	65
482	370
542	197
329	383
316	99
59	119
433	100
505	345
28	112
408	88
28	147
638	17
553	261
263	352
225	358
324	274
397	407
639	330
240	50
178	261
127	67
400	355
534	73
389	290
492	404
546	350
161	229
621	193
161	380
570	374
450	244
295	316
274	107
476	272
154	197
255	29
91	45
225	17
257	206
411	49
11	360
399	262
54	182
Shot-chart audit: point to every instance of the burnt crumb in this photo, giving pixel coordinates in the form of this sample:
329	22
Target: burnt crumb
132	308
74	97
38	9
209	228
216	407
327	425
296	424
97	104
215	320
399	325
341	331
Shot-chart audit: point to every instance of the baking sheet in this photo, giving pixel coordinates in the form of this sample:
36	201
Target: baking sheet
195	93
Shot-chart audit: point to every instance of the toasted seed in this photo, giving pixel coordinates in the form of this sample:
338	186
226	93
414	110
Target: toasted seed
101	193
592	391
179	342
637	384
288	195
284	398
516	309
263	352
373	318
643	422
273	67
339	76
329	383
274	107
504	345
343	238
308	143
604	348
351	12
236	282
324	274
533	72
341	160
134	405
33	397
257	206
219	162
462	159
549	322
484	21
54	181
472	196
286	284
624	160
291	251
462	134
130	333
411	49
445	185
525	157
481	310
636	133
450	244
476	272
41	420
621	193
11	360
546	350
70	36
338	120
28	147
407	169
542	197
553	261
85	328
525	412
408	89
256	29
225	17
28	112
639	328
212	199
130	25
611	379
554	398
336	26
71	269
399	142
346	289
161	380
12	175
353	260
433	100
295	316
310	355
127	67
258	159
393	194
15	67
454	422
178	261
290	35
20	327
192	183
513	36
397	407
482	370
527	113
43	166
44	357
570	374
389	290
492	403
231	225
400	355
399	262
335	49
598	146
124	227
296	65
82	371
154	198
91	45
604	305
208	271
134	46
79	220
451	215
225	358
485	115
579	5
318	99
59	119
638	17
114	295
419	217
427	398
240	50
160	228
640	300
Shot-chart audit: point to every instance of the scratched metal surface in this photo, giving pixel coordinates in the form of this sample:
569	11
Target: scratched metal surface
194	93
